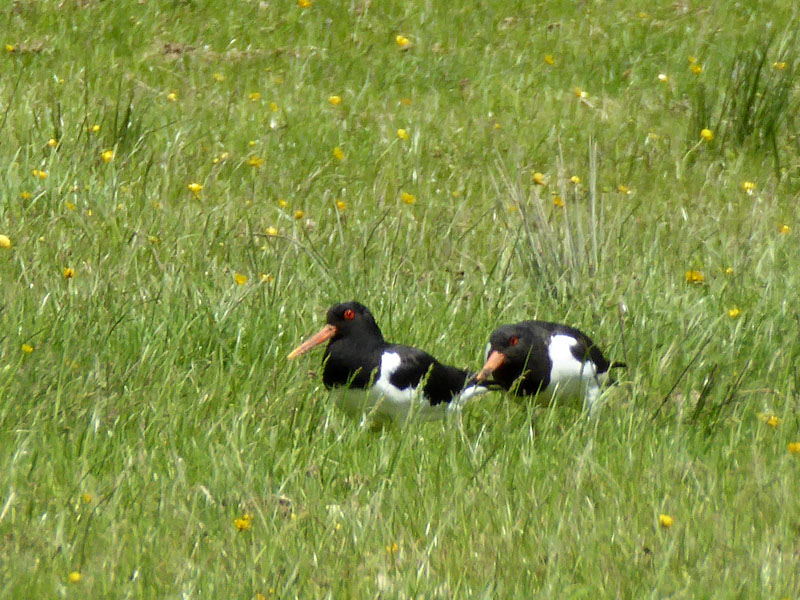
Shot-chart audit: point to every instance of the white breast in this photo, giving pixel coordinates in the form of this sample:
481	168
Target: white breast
386	402
570	377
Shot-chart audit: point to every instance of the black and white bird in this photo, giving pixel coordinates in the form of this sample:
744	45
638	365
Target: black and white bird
385	382
538	358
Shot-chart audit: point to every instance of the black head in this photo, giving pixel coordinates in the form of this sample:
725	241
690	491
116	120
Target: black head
349	320
510	360
514	342
353	319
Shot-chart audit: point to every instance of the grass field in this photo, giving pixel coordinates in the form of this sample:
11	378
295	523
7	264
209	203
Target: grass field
187	186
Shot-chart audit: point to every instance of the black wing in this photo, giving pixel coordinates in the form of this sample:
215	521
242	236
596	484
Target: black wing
442	382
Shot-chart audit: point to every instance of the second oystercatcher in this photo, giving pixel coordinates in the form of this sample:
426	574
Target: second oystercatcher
385	382
541	358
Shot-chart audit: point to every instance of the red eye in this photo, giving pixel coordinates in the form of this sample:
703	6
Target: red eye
513	340
349	314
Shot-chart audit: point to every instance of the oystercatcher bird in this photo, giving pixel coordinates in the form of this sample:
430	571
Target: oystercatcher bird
386	382
538	358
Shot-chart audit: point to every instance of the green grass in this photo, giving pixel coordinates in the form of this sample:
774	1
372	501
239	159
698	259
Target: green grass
157	406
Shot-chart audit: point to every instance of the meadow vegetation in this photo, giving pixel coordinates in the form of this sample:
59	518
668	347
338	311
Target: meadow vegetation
187	186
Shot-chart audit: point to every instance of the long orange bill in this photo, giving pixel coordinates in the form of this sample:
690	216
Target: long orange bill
322	335
495	360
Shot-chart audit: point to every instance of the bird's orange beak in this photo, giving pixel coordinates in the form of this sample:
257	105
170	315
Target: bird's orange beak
494	361
322	335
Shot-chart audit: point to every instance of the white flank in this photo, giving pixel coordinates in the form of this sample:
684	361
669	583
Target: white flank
384	401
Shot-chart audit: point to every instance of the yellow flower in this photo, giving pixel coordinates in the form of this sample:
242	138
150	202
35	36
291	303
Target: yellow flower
86	498
335	100
271	231
548	58
219	77
195	188
304	3
402	134
239	278
172	96
52	142
663	77
557	201
254	96
255	161
692	60
39	174
402	41
70	206
794	447
695	277
282	203
769	419
74	577
341	205
266	278
623	189
707	135
734	312
538	178
251	143
729	271
575	179
25	195
338	154
27	348
273	107
68	272
392	548
665	521
696	69
107	156
299	214
408	198
244	523
579	93
780	66
749	186
96	128
784	229
5	241
10	48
